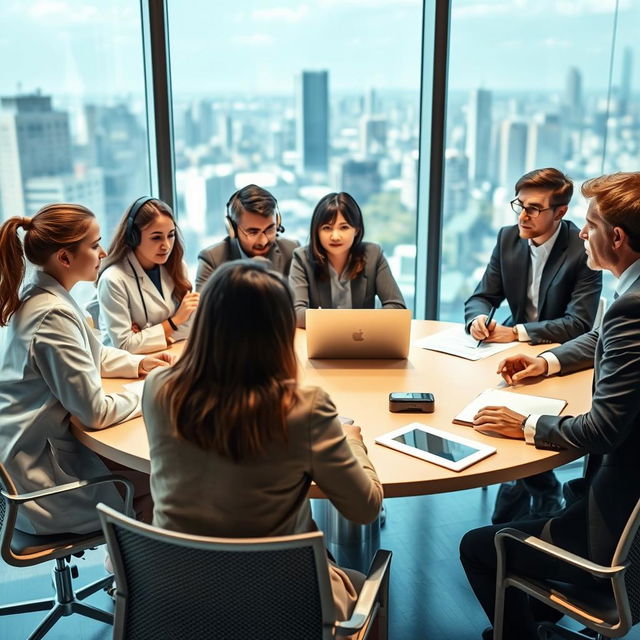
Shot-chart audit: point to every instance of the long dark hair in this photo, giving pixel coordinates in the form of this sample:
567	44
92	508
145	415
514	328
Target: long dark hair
326	212
119	248
233	387
54	227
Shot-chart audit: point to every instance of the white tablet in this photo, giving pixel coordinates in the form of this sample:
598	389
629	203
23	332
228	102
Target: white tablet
434	445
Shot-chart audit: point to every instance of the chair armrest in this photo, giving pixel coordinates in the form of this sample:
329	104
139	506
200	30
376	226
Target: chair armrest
72	486
378	573
597	570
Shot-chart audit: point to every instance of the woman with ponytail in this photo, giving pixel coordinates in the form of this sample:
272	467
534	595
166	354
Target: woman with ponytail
51	367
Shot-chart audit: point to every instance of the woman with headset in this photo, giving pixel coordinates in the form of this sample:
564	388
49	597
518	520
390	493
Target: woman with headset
145	298
215	423
50	369
337	270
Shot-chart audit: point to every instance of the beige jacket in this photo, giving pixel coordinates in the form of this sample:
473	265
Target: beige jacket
198	492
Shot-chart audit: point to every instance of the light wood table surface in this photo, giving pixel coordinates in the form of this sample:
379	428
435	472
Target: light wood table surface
360	390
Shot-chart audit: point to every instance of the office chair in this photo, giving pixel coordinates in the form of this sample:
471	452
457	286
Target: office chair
21	549
179	586
610	606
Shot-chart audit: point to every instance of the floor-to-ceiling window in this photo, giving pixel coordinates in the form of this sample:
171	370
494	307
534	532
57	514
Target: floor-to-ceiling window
302	99
531	85
72	108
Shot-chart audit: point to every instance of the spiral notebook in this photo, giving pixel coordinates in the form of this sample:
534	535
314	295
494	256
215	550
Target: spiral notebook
520	402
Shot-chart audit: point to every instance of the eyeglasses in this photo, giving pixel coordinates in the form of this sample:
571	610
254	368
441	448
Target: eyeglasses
254	234
531	211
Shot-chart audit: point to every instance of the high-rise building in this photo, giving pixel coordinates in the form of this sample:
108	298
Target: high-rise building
544	143
359	178
34	141
625	81
456	189
573	96
373	135
512	149
479	135
312	105
86	188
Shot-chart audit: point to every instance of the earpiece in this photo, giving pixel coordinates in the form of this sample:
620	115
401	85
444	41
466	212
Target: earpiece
132	234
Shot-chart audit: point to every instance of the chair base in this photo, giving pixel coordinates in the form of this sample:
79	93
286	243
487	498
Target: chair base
66	602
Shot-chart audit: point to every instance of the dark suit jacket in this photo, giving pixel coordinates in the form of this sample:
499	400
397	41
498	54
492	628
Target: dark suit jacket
609	432
375	280
226	250
569	290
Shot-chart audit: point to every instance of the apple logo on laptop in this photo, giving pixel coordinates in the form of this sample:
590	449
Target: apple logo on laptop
358	336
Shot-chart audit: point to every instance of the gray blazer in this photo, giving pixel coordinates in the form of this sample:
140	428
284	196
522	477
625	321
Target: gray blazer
199	492
50	370
609	432
375	280
226	250
569	290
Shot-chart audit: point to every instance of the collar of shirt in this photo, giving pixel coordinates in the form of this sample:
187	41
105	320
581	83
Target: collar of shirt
543	250
242	253
628	277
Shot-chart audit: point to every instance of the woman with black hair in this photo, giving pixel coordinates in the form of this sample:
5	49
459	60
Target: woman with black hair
337	270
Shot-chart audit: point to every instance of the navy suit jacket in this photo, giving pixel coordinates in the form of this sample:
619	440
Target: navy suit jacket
569	290
609	432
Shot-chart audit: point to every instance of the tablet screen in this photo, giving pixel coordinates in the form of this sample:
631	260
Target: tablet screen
435	445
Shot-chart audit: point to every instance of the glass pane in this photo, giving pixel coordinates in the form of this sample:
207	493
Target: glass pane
528	88
72	110
301	99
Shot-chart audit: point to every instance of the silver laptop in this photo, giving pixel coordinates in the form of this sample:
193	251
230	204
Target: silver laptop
358	333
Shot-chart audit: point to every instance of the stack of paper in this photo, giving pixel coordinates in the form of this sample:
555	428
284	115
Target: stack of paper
459	343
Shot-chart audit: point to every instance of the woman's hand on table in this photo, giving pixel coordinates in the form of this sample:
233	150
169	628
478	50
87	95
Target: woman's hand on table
353	431
500	420
164	359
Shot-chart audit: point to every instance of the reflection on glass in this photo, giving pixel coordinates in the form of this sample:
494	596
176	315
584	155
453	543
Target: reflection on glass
72	108
438	446
518	102
301	100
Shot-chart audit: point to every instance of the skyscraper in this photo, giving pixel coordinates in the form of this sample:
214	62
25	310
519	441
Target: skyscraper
479	135
34	142
544	144
512	141
625	80
573	96
312	106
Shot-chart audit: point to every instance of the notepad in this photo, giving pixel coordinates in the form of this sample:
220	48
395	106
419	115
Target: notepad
520	402
457	342
136	386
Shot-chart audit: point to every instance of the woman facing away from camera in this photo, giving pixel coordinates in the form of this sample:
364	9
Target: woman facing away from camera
235	442
144	295
50	370
337	270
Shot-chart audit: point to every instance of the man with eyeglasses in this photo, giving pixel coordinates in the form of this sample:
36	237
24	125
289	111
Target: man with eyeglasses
253	224
539	266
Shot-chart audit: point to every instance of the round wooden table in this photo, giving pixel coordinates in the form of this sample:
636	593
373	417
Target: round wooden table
360	390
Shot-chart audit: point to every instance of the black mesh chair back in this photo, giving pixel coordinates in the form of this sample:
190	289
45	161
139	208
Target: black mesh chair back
7	514
628	553
177	586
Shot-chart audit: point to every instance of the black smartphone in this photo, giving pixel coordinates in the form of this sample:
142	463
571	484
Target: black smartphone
411	402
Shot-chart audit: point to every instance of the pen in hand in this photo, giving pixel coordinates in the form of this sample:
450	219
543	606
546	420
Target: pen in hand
487	322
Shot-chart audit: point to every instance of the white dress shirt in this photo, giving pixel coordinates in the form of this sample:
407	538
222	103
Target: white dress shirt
626	279
539	254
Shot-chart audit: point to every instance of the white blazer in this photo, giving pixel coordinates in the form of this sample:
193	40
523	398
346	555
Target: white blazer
121	305
50	369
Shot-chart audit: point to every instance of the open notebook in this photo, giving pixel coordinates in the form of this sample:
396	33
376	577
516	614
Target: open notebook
520	402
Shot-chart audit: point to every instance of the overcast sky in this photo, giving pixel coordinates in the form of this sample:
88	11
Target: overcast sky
250	46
